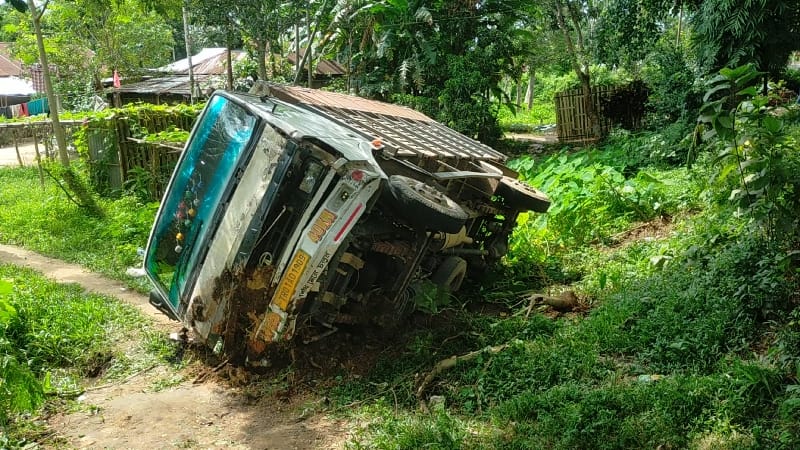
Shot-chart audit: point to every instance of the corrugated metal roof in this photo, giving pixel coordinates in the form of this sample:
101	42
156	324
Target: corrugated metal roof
9	67
407	130
209	61
176	84
325	67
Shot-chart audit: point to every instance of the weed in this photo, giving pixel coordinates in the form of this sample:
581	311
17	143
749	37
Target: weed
387	430
621	414
592	201
166	382
756	158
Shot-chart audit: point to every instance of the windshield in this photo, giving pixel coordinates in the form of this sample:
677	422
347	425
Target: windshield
192	203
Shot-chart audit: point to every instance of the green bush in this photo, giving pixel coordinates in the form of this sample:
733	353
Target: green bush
756	153
145	121
690	316
792	78
592	199
626	414
675	94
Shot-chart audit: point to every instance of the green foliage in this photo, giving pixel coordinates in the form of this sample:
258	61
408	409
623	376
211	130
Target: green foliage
625	414
525	120
757	161
19	389
86	39
172	135
732	33
626	31
45	221
674	92
46	327
792	78
437	430
151	123
671	146
689	316
445	54
593	198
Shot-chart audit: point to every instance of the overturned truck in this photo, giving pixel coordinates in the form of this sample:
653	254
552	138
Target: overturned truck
297	211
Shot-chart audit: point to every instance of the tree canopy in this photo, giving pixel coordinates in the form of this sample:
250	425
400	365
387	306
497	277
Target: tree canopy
449	58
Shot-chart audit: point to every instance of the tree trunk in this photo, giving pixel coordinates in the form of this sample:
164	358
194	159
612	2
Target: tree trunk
187	39
58	130
680	25
73	182
273	62
519	93
308	56
230	62
261	57
296	47
588	103
579	64
529	93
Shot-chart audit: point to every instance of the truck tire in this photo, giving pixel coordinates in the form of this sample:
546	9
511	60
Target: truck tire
520	196
450	274
425	207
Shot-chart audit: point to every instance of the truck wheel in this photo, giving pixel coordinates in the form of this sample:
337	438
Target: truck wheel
519	195
450	274
424	206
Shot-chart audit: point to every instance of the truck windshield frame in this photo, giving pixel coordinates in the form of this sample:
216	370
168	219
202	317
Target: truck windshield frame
195	198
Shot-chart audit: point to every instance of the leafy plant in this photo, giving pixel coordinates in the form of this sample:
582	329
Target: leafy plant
19	389
756	158
592	199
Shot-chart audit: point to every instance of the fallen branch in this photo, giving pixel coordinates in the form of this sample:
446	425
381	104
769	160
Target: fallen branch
566	301
449	363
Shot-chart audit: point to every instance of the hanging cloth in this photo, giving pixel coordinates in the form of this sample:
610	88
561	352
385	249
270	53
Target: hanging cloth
38	106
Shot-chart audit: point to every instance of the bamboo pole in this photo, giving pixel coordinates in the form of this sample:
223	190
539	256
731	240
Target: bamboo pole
16	146
38	157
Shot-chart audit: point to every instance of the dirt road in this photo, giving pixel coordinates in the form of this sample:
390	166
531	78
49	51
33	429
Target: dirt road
207	414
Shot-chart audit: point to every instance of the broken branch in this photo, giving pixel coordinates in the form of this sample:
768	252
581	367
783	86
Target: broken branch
449	363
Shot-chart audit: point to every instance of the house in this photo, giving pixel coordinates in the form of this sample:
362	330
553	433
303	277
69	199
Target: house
14	90
170	83
325	70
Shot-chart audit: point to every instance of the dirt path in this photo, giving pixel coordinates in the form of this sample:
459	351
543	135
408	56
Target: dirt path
207	415
27	151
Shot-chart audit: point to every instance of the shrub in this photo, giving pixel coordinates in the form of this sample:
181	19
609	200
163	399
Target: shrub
674	93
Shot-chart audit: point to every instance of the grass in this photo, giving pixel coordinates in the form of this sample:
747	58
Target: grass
691	342
691	339
524	120
45	221
53	336
666	359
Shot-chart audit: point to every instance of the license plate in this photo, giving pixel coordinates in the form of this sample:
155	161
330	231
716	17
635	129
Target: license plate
289	282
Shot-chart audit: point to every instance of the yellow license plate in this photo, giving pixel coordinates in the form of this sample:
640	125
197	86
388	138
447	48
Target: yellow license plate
290	280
